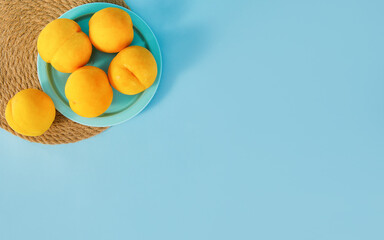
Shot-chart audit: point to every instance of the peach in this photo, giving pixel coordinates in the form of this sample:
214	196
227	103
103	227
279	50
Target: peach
64	45
88	91
111	30
133	70
30	112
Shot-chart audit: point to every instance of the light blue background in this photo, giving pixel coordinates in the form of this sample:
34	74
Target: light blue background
268	124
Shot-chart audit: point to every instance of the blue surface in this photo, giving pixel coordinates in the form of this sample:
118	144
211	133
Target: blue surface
123	107
268	124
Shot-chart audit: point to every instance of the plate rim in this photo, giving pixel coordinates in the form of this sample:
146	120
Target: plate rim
111	120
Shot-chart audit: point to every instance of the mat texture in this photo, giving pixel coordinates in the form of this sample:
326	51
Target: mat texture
20	24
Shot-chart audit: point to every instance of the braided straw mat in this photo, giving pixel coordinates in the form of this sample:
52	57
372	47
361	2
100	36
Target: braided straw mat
20	24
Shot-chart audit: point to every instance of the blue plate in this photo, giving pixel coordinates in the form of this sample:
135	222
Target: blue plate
123	107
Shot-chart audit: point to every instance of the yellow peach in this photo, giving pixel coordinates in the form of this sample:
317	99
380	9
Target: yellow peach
30	112
64	45
88	91
133	70
111	30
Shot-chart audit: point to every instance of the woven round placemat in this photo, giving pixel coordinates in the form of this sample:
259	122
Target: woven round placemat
20	24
